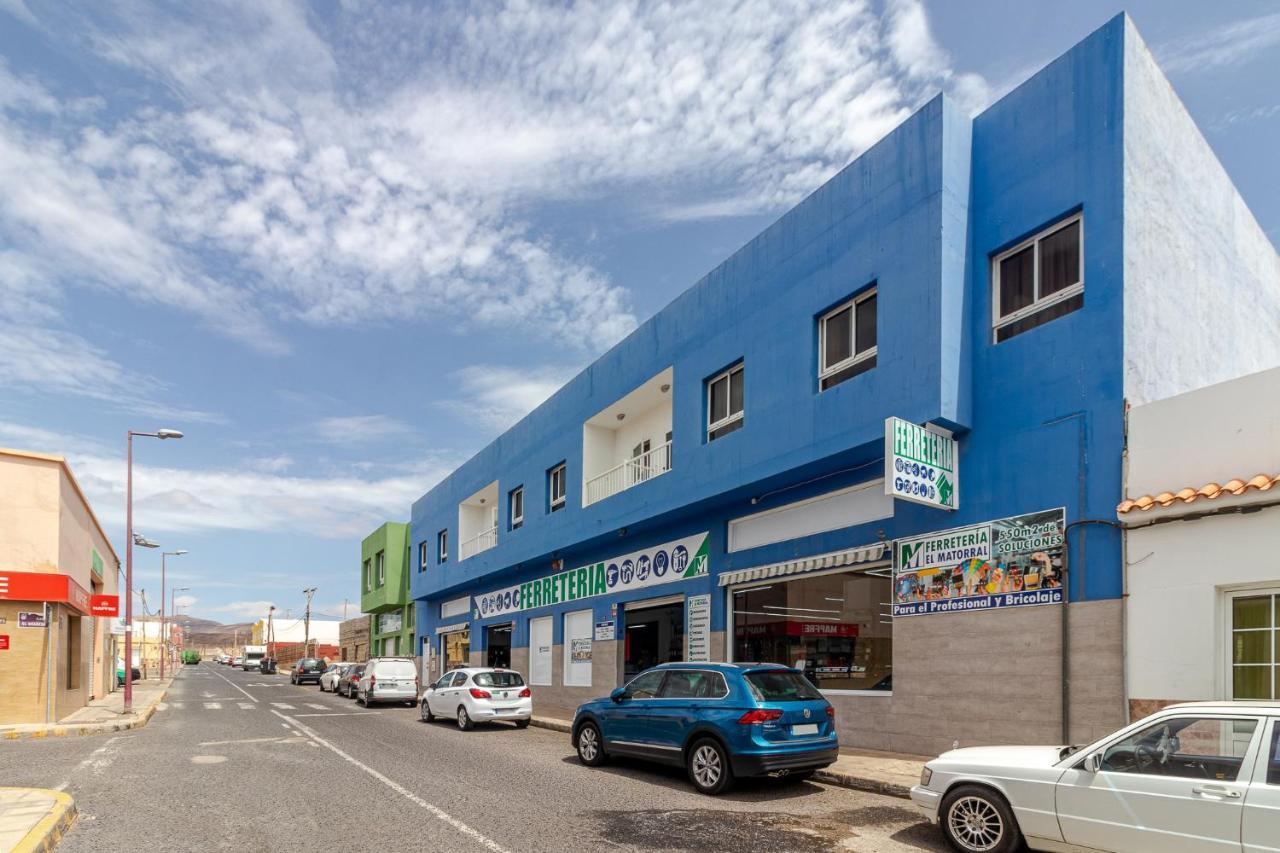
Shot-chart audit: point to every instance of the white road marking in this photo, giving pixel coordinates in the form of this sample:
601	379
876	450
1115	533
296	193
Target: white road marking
340	714
284	706
247	706
436	811
176	705
213	706
99	759
246	740
236	686
316	705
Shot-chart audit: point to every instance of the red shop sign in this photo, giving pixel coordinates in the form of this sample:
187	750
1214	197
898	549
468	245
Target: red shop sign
43	586
4	642
105	605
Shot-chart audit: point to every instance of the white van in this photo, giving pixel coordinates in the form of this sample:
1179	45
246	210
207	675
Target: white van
388	680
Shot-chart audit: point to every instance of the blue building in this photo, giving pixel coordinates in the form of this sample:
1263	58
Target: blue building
716	487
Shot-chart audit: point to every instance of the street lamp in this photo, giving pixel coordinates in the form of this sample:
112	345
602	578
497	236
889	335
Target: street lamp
164	638
128	569
173	607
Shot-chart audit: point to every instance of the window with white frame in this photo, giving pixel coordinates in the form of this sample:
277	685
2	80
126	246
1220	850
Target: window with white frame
724	403
442	546
368	575
847	340
1038	280
422	555
1255	645
556	486
515	507
381	561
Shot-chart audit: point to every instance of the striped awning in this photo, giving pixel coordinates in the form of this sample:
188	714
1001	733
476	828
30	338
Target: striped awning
834	560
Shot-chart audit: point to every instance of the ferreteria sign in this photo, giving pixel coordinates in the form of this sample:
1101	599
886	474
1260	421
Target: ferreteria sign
674	561
920	465
1008	562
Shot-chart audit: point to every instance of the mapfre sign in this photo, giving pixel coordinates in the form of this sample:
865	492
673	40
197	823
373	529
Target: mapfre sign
40	586
104	605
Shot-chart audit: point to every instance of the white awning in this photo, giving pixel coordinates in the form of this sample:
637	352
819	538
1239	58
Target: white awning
835	559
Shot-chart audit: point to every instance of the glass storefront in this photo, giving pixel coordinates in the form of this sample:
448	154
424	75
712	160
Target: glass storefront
455	648
653	635
497	645
836	627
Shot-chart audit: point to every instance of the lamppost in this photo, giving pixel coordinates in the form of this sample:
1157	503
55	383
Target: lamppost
164	638
128	569
173	608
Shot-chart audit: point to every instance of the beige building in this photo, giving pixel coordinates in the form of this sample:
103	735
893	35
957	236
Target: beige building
55	655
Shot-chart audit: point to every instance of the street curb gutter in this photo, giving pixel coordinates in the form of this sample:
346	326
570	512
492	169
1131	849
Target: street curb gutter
830	777
136	721
46	834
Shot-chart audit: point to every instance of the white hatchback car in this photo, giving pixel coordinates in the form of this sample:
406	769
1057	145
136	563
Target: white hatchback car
1201	776
478	695
329	678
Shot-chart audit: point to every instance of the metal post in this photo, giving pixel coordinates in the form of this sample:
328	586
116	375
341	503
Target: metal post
164	643
128	583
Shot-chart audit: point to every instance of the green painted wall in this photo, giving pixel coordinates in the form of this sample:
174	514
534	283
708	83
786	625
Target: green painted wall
387	596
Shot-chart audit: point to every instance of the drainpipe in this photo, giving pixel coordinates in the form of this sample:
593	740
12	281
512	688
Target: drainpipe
50	663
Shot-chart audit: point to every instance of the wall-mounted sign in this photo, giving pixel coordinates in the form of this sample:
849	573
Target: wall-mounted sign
580	650
389	622
104	605
920	465
95	562
4	642
1004	563
673	561
31	620
698	627
604	631
42	586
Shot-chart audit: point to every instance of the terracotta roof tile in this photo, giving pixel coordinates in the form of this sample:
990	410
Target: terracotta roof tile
1261	482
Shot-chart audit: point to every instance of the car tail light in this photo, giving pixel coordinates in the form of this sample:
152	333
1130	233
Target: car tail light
373	682
759	715
831	712
526	693
477	693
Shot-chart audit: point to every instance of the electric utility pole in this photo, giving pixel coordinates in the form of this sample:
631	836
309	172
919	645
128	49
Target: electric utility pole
306	629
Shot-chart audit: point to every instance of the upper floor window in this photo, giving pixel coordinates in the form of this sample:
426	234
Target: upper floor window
368	575
847	340
1038	280
724	403
515	507
442	546
380	559
556	486
422	556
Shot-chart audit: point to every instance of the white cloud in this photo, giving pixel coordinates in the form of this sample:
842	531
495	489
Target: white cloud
185	601
248	611
358	429
496	397
1230	44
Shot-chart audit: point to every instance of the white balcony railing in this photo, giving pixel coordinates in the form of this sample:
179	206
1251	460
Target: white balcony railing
628	473
482	541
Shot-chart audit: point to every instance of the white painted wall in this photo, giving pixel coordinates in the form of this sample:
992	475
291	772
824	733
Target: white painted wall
1202	281
831	511
1178	572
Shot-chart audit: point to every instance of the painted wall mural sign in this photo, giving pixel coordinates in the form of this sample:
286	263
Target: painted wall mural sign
1009	562
920	465
673	561
698	628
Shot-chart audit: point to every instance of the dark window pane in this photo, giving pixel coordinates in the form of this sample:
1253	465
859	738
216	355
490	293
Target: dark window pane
719	404
1251	647
719	432
866	331
1017	281
849	372
1039	318
838	334
782	685
1251	612
1060	260
735	392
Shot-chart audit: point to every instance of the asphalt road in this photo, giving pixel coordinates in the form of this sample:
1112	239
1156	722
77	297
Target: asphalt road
236	760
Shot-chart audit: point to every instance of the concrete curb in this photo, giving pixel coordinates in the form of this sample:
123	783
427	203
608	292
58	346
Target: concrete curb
46	834
135	721
830	777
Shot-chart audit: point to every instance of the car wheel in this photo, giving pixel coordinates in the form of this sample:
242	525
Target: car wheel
709	769
591	745
425	713
522	724
464	719
978	820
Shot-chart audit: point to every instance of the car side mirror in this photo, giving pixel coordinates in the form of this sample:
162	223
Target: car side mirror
1093	762
619	694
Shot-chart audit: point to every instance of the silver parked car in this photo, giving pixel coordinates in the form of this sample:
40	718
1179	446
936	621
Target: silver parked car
388	680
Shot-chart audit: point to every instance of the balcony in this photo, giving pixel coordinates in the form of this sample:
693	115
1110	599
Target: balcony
478	522
482	541
628	442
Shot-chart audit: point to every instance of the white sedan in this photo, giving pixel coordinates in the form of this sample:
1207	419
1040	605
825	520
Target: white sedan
478	695
329	678
1201	776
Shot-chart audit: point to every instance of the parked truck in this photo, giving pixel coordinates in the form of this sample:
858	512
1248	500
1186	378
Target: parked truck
253	656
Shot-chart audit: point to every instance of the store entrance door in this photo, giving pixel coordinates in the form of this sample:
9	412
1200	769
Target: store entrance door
455	650
497	644
654	635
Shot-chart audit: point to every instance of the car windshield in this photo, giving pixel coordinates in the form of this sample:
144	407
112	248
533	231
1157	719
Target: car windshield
396	669
781	685
498	679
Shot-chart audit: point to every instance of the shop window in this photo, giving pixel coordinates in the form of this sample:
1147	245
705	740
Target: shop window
835	627
515	507
847	340
73	652
725	403
1038	280
422	556
556	486
442	546
577	649
1255	640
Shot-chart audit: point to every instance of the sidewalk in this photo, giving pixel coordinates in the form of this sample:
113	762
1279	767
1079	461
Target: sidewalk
33	818
100	715
888	773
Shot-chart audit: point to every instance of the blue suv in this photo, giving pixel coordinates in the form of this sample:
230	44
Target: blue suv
718	720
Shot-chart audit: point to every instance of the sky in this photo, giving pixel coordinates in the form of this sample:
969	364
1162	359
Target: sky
342	246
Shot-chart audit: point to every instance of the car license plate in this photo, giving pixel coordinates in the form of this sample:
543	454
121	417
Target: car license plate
808	729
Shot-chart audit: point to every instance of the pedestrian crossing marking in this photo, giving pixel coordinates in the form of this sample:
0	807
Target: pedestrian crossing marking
317	706
177	705
284	706
213	706
245	706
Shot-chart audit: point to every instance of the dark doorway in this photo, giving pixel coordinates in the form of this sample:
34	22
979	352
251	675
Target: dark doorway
654	635
497	646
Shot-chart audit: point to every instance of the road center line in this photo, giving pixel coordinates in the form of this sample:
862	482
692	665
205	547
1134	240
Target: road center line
475	835
236	686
